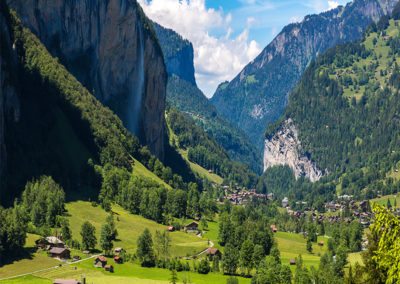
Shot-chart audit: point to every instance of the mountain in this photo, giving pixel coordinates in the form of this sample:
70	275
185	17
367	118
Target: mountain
184	95
257	96
110	47
50	124
345	116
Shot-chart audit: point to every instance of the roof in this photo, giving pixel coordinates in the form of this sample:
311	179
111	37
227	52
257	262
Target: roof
53	240
56	250
102	258
66	281
192	224
212	251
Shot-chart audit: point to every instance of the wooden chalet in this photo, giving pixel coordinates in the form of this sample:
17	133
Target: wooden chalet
109	268
292	262
274	229
170	228
192	227
61	253
118	259
212	252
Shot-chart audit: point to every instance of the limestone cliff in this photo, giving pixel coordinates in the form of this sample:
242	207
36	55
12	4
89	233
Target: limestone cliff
284	148
257	96
110	47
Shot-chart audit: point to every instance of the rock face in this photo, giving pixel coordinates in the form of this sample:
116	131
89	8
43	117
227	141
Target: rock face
9	102
178	53
110	47
258	95
284	148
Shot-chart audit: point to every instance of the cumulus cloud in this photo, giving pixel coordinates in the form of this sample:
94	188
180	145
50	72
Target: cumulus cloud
333	4
218	55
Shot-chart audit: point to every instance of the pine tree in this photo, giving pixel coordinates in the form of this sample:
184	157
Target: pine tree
145	251
309	246
65	230
106	238
174	277
88	234
246	256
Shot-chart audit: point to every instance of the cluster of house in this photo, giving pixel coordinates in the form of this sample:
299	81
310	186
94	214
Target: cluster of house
243	196
101	261
54	246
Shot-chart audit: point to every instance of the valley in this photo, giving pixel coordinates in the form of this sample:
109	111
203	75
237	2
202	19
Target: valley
115	167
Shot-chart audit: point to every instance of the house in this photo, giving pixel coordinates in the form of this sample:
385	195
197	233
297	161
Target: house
66	281
213	252
192	227
61	253
118	259
171	228
118	250
274	229
285	202
321	243
49	242
109	268
292	262
100	261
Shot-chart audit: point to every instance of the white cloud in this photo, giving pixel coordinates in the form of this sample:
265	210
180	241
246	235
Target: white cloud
217	58
333	4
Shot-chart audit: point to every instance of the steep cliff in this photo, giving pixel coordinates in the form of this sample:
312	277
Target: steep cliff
284	148
184	95
178	53
110	47
258	95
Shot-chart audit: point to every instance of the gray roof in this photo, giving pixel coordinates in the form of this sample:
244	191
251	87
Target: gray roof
56	250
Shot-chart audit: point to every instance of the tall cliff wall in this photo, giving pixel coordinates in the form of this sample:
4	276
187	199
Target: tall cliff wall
284	148
110	47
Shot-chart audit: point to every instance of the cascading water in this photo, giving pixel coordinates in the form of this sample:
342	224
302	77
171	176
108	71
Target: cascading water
134	105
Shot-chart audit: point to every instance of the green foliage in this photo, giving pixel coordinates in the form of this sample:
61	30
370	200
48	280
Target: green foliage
66	230
88	234
230	260
145	251
385	252
43	201
13	227
271	271
203	150
106	238
246	256
204	266
162	245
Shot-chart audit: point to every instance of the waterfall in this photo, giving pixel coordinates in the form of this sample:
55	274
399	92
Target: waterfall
134	106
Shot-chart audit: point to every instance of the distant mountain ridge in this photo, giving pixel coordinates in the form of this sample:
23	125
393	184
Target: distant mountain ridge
184	95
257	96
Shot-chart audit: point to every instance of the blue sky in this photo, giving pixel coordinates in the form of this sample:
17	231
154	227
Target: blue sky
228	34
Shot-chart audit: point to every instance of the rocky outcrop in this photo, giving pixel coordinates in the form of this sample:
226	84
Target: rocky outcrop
110	47
284	148
257	96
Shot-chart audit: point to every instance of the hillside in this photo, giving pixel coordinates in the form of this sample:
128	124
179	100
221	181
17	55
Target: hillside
346	111
184	95
257	96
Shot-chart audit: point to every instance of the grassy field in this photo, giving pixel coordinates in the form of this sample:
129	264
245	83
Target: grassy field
129	228
202	172
140	170
292	245
383	200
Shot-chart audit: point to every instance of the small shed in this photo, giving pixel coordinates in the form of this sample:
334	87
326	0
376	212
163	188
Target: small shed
292	262
171	229
213	252
118	259
61	253
109	268
192	227
118	250
274	229
100	261
321	243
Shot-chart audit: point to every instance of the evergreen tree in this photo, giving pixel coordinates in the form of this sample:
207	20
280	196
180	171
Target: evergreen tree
106	238
65	230
145	251
111	222
88	234
174	277
204	266
309	246
246	256
230	260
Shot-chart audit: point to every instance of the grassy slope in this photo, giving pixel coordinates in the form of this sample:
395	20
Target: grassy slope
202	172
129	228
140	170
